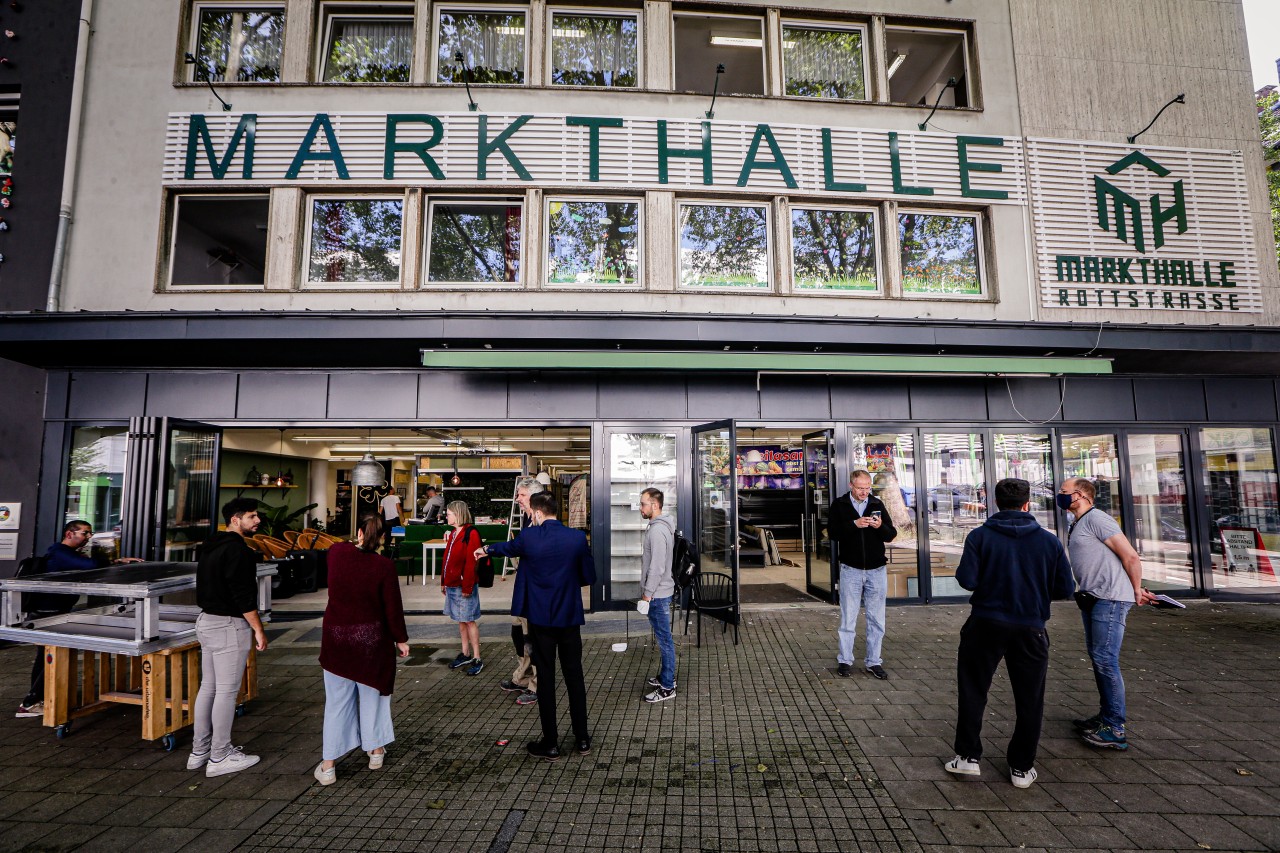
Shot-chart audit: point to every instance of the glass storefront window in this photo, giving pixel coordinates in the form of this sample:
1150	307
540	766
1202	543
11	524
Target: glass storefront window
1096	458
941	254
724	246
1157	478
354	241
492	46
594	50
95	486
834	249
474	243
239	44
191	491
823	63
375	49
1028	456
1239	469
593	242
890	460
637	461
956	489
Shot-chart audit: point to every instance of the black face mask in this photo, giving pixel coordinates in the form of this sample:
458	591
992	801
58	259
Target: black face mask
1064	502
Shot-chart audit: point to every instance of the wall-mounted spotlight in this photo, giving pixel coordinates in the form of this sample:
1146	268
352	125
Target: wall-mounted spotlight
715	90
951	84
1181	99
466	80
202	73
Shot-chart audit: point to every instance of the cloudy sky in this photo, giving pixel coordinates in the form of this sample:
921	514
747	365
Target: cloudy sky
1262	17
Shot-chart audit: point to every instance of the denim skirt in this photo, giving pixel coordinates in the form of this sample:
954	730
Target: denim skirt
459	608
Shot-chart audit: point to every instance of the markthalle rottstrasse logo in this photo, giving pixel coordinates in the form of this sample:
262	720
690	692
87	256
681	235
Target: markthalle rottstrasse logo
1141	206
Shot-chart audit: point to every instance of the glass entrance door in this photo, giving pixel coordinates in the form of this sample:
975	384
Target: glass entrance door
715	505
819	568
188	455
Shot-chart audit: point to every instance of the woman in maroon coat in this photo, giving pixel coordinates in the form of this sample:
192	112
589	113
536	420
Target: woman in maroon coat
363	630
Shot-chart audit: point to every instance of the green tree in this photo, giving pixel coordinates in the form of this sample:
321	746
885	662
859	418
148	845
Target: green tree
1269	123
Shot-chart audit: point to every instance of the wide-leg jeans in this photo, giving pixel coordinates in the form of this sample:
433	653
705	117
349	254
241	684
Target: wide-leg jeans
865	589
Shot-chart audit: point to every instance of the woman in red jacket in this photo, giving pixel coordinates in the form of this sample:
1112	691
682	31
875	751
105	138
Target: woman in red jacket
458	585
363	630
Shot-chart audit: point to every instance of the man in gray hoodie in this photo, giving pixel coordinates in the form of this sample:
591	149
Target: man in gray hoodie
656	587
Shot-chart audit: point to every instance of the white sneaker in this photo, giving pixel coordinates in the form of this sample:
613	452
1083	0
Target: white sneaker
35	709
1023	779
963	767
376	759
660	695
326	777
233	762
195	762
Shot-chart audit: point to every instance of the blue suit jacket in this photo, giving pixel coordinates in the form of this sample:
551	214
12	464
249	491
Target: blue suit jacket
555	563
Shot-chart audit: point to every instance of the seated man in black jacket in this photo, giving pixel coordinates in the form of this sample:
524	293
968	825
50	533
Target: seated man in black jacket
859	526
1014	567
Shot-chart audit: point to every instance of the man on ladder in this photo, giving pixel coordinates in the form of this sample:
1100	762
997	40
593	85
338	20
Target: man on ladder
524	680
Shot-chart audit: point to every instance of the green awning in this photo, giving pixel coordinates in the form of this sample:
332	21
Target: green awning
762	362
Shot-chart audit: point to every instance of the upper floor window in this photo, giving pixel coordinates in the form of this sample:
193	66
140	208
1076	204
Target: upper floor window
218	240
834	249
492	44
237	43
367	48
590	49
941	253
824	62
474	242
593	242
724	245
920	63
354	240
703	42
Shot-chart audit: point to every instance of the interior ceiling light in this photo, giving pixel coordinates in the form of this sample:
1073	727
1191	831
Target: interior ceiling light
719	40
368	471
897	63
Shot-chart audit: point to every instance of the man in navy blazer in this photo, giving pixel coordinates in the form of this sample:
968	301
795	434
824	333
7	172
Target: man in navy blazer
555	563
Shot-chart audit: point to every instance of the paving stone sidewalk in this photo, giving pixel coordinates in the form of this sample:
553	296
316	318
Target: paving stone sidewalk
764	749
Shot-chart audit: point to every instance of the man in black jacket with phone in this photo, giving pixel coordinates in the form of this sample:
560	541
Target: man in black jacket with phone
859	525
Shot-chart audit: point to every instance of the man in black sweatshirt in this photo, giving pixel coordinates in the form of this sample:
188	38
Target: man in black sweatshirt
227	592
859	525
1015	568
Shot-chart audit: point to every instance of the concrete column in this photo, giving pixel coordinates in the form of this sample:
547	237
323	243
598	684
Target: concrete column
659	244
299	36
285	239
656	33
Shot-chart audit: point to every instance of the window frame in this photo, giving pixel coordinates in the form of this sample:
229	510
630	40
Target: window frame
329	12
765	47
309	200
474	201
877	220
437	9
987	293
863	27
593	287
771	285
193	35
601	12
967	39
171	243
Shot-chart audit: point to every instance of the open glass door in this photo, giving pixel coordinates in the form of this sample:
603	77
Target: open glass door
820	572
715	505
188	496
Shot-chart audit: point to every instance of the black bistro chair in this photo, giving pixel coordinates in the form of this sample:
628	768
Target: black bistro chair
713	593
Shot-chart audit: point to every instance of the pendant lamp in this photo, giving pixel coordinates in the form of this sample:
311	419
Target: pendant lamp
368	471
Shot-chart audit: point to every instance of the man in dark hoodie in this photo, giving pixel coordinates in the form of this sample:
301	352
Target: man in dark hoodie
656	587
1015	568
227	592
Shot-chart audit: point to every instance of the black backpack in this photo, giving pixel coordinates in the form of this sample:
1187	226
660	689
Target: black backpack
684	561
40	604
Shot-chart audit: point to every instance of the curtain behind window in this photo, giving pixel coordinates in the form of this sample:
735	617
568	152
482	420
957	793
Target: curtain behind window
376	50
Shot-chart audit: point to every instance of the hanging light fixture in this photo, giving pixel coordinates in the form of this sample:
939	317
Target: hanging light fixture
280	460
456	480
368	471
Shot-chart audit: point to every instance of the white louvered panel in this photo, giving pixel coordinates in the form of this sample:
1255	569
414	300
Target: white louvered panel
1064	216
556	154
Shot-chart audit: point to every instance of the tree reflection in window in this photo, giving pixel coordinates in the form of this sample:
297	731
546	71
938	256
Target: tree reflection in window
724	246
240	45
834	249
475	243
369	50
822	63
939	253
492	46
590	50
593	242
355	240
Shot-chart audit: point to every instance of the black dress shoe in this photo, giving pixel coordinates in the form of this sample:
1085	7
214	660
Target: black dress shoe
844	670
584	746
878	672
544	749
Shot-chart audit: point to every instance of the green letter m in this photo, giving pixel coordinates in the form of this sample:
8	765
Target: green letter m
1121	203
198	128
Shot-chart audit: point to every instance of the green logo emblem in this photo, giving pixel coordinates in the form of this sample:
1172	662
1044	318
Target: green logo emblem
1119	209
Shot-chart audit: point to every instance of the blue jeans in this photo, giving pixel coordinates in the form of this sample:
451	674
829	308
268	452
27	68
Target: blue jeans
1103	635
660	619
866	588
354	715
